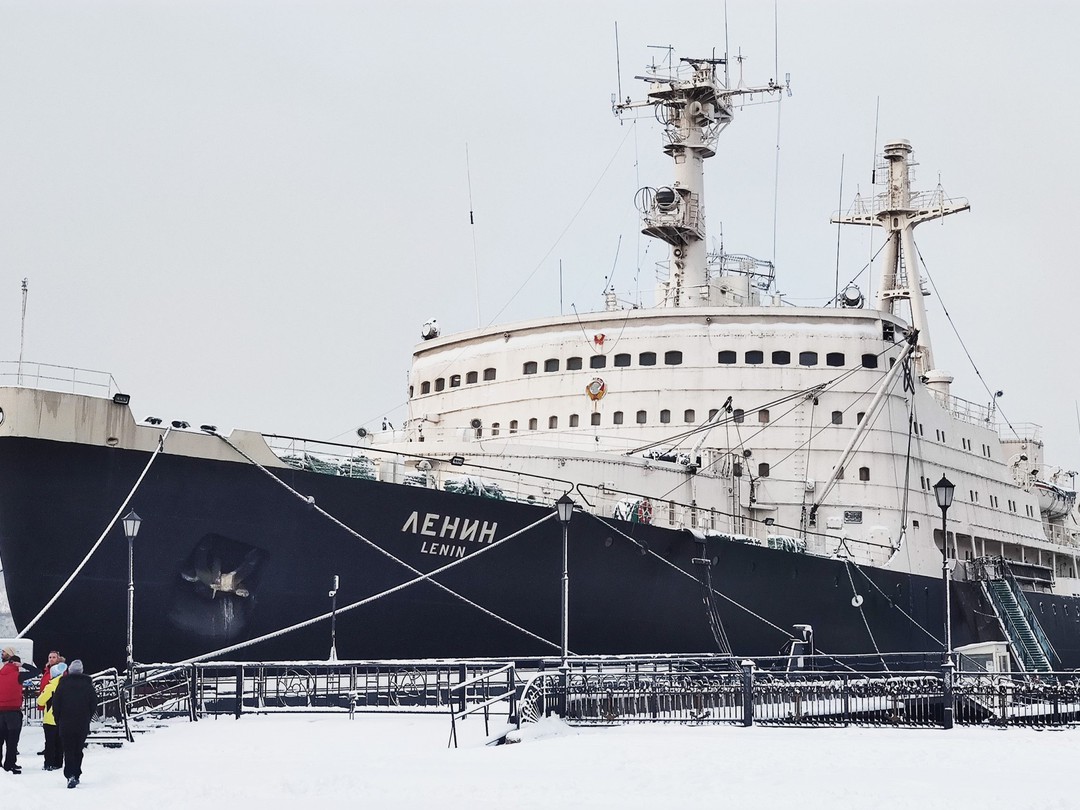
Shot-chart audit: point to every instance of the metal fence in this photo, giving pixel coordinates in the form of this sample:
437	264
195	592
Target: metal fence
625	692
199	690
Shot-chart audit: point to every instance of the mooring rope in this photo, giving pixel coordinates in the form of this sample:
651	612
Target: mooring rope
862	613
906	615
422	577
348	529
153	457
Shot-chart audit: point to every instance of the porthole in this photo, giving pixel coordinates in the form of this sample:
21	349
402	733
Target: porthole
598	361
529	367
470	378
551	365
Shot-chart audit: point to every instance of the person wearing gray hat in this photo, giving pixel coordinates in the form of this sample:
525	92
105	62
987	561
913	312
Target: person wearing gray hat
74	705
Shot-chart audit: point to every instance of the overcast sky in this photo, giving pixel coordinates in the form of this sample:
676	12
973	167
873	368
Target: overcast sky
246	210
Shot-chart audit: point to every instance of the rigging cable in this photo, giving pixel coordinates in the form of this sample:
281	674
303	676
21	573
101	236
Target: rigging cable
963	346
153	457
387	554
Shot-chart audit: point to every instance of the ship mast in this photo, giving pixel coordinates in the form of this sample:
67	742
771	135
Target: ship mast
694	110
898	210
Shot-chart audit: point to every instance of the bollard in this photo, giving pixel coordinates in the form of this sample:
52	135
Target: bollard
748	692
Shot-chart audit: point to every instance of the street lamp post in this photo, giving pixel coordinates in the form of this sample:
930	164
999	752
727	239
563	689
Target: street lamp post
131	522
943	492
333	619
565	509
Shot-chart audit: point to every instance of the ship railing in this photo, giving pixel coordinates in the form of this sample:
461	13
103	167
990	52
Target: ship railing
64	379
435	471
1019	431
971	412
464	476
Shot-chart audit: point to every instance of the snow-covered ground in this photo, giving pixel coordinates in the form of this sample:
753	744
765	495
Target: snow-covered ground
384	761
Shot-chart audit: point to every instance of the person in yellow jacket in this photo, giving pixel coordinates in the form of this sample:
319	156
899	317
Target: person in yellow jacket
54	752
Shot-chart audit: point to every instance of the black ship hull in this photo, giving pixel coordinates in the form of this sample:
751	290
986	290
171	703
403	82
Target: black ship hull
634	588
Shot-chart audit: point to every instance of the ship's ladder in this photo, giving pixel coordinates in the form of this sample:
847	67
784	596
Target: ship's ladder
1030	646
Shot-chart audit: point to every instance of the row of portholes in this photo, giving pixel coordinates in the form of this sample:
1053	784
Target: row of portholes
455	381
781	357
672	358
642	418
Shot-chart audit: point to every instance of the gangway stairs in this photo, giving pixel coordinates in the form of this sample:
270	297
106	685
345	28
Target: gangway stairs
1029	644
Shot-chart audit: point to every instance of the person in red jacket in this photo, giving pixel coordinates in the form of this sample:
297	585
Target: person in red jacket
54	659
12	674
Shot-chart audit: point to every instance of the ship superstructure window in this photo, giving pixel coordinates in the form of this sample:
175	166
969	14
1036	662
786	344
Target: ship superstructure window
594	419
471	377
425	387
739	415
665	416
807	358
647	359
533	424
598	361
553	422
513	426
838	417
755	358
672	358
489	374
573	363
864	473
455	381
642	417
781	357
859	417
410	392
763	416
529	368
495	428
551	365
688	416
763	469
622	360
834	359
870	361
573	420
616	418
727	358
440	384
712	413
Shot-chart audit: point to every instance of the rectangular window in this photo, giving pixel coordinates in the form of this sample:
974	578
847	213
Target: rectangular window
594	418
573	420
551	365
672	358
616	418
598	361
622	360
647	359
573	363
489	374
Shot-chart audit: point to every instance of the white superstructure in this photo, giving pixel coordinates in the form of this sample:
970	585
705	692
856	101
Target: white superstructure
725	410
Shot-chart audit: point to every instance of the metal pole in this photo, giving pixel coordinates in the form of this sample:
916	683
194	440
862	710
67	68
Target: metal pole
130	604
947	662
564	667
333	627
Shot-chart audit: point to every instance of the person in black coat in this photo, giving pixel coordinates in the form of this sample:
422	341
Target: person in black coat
73	705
